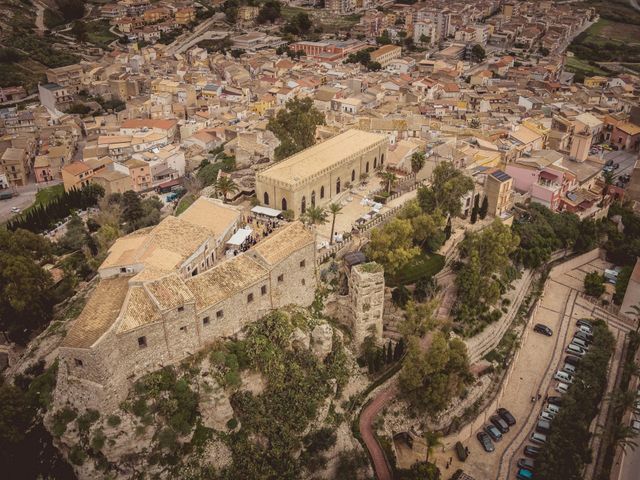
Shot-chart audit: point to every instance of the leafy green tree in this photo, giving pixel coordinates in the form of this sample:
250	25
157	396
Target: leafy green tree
384	39
300	24
477	53
448	185
417	161
594	284
433	440
79	30
295	126
269	12
374	66
428	231
424	40
334	209
26	299
419	319
392	245
431	379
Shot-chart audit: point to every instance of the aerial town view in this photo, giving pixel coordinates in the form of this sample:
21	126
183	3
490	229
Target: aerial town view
320	239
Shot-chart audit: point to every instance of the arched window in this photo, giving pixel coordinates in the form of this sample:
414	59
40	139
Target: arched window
322	192
313	198
284	203
353	175
375	162
266	198
366	168
303	205
382	159
338	186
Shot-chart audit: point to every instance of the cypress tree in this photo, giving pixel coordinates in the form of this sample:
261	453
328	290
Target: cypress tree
484	208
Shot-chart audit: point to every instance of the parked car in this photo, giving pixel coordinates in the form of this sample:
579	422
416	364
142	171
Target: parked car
554	401
543	329
584	322
15	210
526	463
586	329
538	437
574	349
580	343
461	452
609	163
506	416
524	474
552	408
499	423
616	166
485	441
571	360
562	387
493	432
635	425
543	426
545	415
583	336
531	451
569	369
563	377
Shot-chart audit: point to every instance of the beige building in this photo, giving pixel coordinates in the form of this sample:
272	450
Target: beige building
384	55
14	163
315	176
113	181
499	190
139	320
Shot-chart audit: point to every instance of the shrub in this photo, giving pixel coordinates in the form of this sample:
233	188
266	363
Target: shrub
61	419
594	284
113	420
98	440
77	455
232	424
87	419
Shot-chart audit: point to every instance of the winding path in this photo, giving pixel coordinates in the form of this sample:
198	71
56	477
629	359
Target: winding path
368	415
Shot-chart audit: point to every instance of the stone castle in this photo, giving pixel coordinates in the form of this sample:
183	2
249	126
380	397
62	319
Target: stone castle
163	294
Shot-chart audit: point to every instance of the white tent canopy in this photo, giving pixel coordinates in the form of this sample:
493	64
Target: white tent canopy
239	237
269	212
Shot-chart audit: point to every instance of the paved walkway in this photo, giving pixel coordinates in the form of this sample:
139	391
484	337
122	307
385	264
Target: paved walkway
382	470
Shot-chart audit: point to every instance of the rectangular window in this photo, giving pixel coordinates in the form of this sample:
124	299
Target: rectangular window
142	342
250	298
303	281
280	278
220	314
263	289
302	264
181	309
205	321
78	362
123	269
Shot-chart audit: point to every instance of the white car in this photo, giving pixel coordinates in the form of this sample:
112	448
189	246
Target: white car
635	425
15	210
562	387
548	416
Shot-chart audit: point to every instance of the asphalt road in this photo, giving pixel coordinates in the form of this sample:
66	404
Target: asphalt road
625	159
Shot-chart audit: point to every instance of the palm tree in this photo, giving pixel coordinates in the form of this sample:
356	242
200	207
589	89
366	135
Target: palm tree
390	178
314	216
635	311
623	400
624	436
417	161
432	439
225	186
334	209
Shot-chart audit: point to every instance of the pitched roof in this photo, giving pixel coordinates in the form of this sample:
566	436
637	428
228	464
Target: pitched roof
279	245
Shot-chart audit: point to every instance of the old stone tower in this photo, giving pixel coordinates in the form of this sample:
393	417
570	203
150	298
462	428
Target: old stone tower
366	292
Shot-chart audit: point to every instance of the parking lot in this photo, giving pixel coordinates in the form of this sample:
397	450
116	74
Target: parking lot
532	380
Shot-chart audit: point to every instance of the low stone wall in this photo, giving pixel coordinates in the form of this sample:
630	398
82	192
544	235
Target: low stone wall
467	431
576	262
479	345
